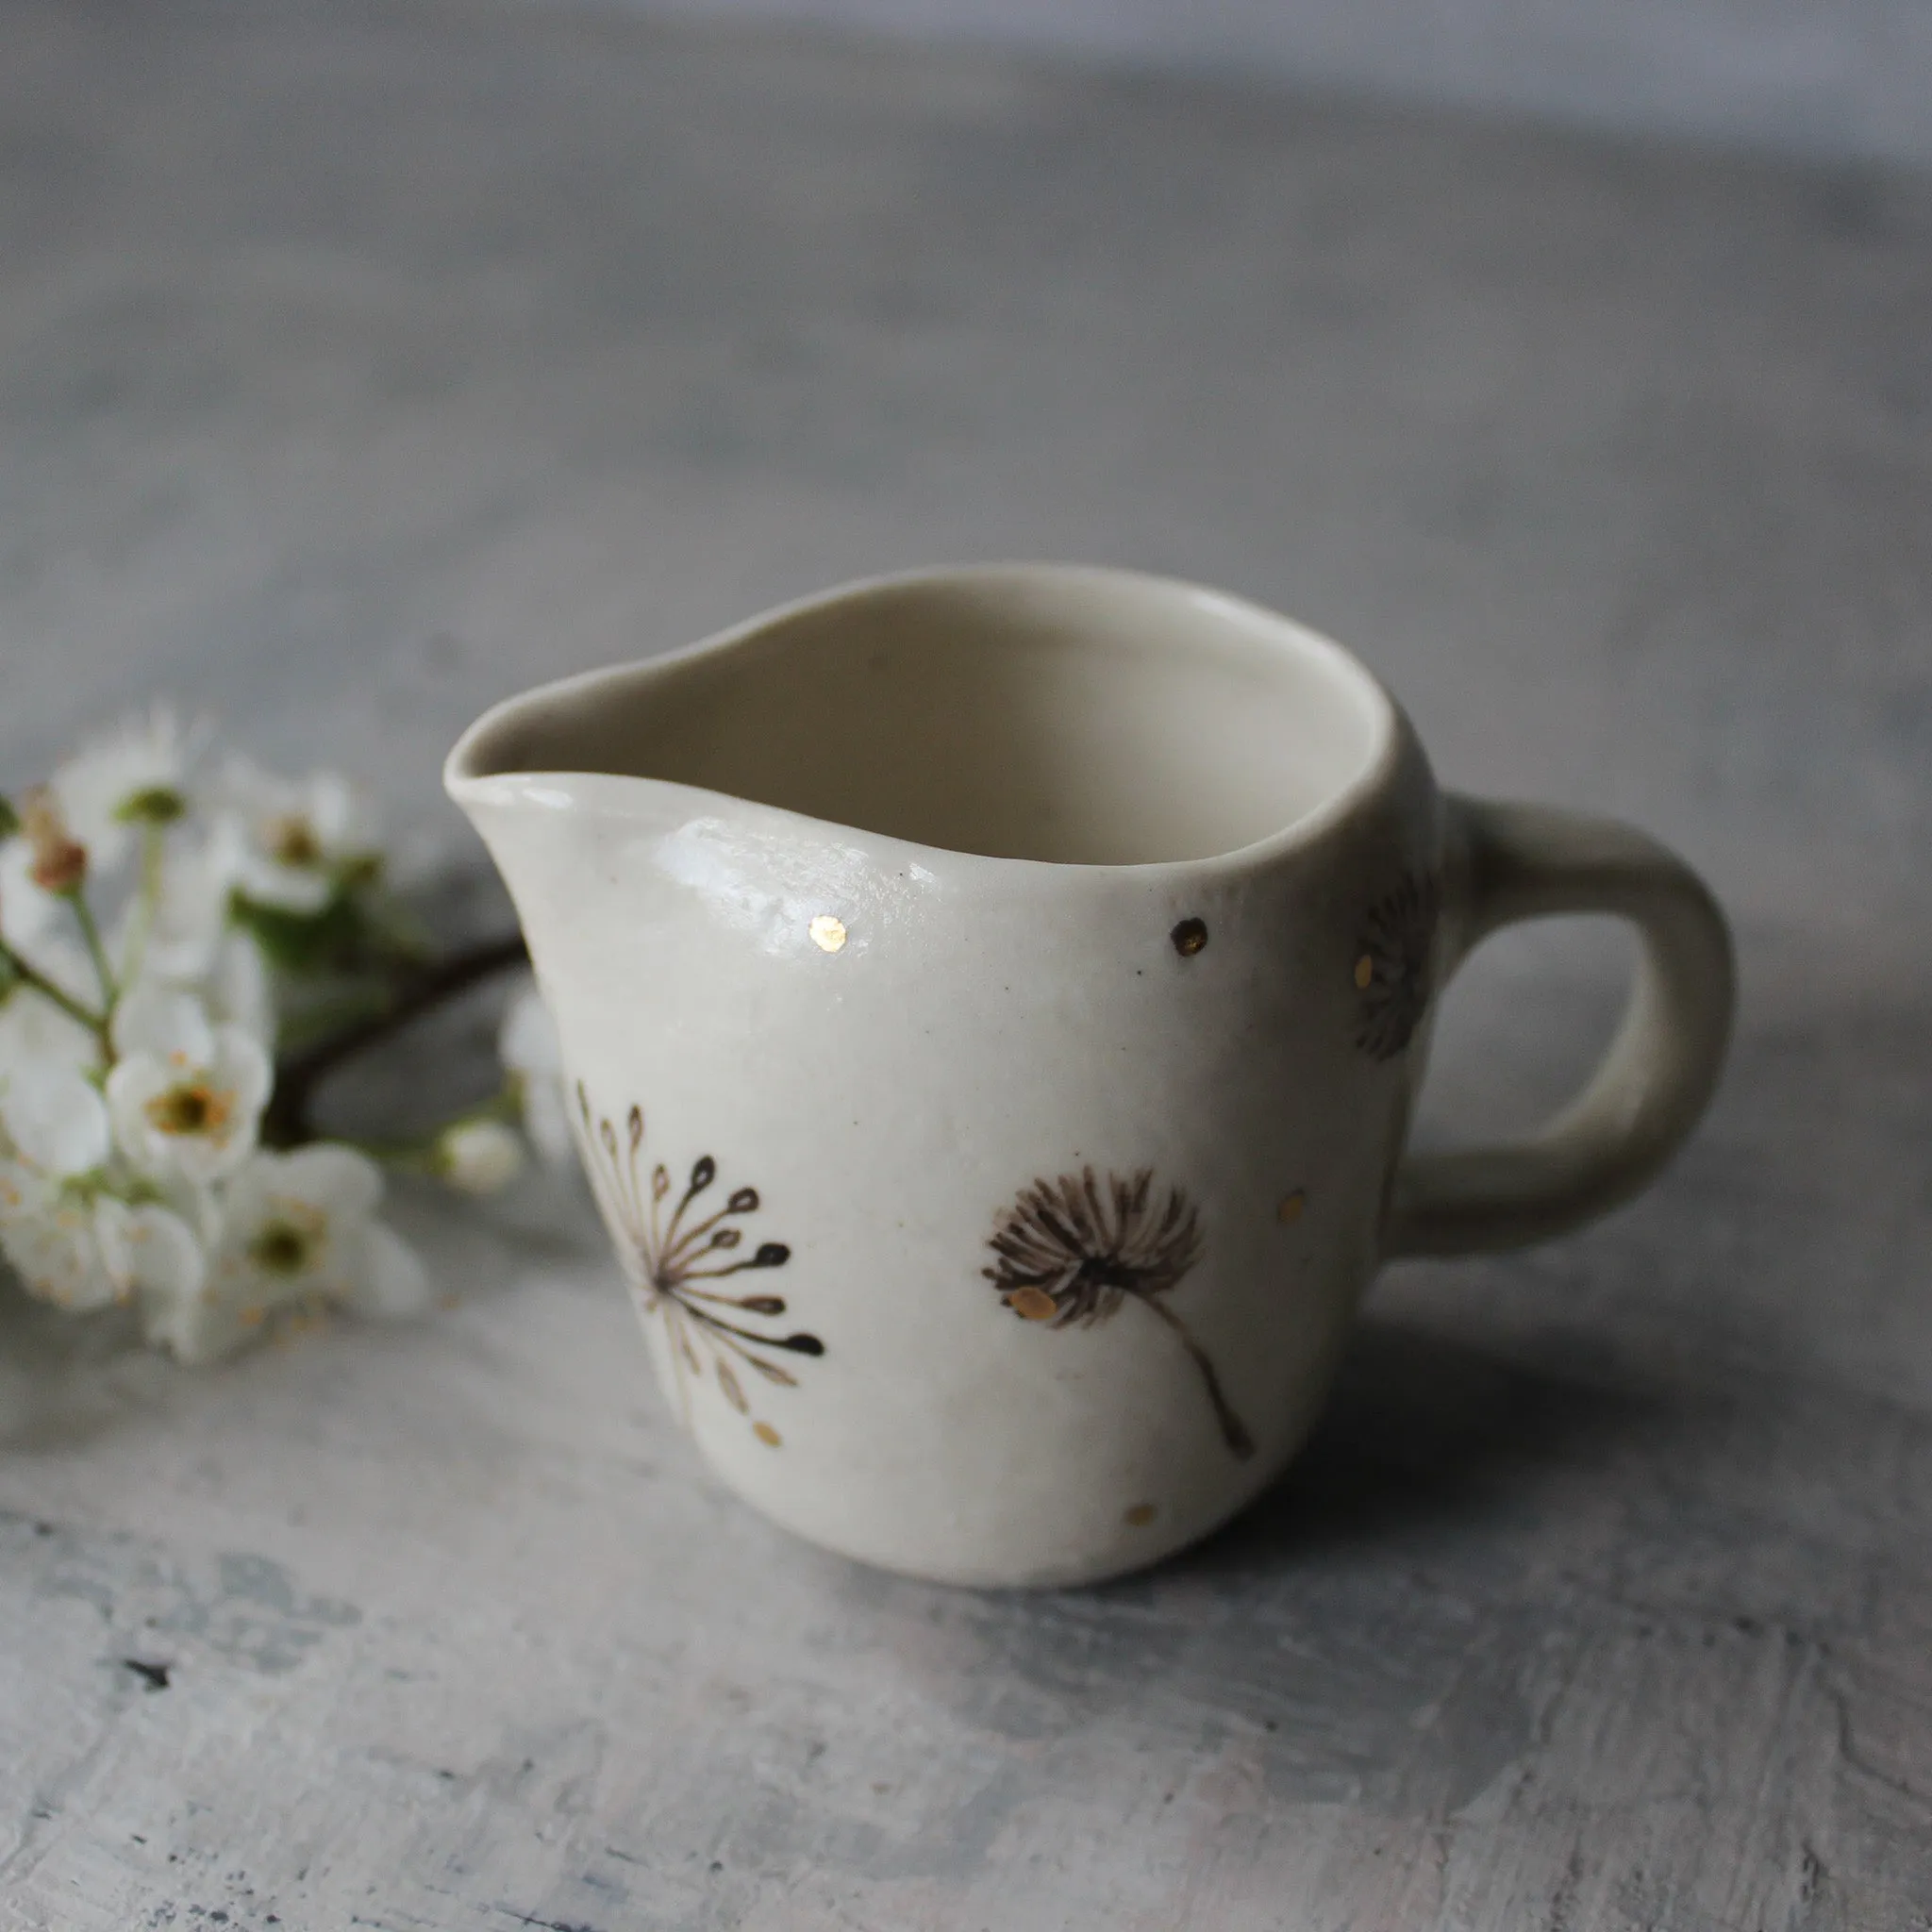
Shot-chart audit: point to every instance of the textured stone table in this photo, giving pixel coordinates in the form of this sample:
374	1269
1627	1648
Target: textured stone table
359	363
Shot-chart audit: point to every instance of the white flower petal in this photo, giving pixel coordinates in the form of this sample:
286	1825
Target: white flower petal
53	1117
176	1119
165	1020
26	912
68	1247
242	1070
185	924
392	1282
198	1326
528	1041
285	887
132	1085
337	1180
33	1028
546	1120
147	1247
240	991
530	1048
330	809
21	1189
58	1260
143	755
334	823
163	1255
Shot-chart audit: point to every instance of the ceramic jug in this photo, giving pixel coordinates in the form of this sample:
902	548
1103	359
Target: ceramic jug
993	1001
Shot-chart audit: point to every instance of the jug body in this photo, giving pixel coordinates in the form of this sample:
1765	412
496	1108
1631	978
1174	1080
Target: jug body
989	1217
993	1001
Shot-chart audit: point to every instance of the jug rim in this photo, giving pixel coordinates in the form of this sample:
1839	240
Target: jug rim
1390	735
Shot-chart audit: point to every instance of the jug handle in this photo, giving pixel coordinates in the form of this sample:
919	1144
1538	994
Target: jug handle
1512	862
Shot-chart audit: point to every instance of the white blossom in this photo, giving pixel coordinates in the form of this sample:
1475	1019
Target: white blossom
185	1096
289	842
529	1045
238	991
130	1164
74	1240
176	934
138	772
27	911
478	1156
296	1228
186	939
33	1028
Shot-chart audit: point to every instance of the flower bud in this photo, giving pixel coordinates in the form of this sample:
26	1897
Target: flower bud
59	861
478	1156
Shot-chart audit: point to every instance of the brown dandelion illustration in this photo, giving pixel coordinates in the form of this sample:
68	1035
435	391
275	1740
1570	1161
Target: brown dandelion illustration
1072	1251
672	1255
1392	967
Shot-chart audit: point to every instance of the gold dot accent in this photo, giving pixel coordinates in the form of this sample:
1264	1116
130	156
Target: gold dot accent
767	1434
1140	1516
827	933
1365	972
1031	1304
1189	937
1290	1211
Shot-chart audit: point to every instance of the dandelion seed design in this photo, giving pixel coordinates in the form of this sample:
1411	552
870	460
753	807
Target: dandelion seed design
672	1255
1071	1251
1392	967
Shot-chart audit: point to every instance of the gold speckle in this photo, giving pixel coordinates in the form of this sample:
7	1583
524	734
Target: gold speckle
1031	1304
1365	972
1289	1209
828	932
1189	937
1140	1516
766	1434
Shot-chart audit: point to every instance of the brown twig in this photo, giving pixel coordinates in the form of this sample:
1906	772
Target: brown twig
287	1123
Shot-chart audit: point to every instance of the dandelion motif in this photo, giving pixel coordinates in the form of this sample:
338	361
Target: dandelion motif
672	1255
1391	968
1072	1251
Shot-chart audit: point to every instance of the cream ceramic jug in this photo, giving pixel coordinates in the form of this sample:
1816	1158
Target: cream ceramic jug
994	1001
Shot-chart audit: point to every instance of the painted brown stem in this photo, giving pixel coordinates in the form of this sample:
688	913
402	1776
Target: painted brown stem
287	1123
1234	1431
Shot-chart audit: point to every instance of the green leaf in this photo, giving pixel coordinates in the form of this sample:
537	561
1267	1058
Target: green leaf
9	819
301	941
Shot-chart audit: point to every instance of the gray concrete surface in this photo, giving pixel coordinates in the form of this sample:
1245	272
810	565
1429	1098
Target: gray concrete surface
359	363
1852	77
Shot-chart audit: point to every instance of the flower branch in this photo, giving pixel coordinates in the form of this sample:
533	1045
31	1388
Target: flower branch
180	939
298	1075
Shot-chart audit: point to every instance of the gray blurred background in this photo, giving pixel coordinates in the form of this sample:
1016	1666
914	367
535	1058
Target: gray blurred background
1818	76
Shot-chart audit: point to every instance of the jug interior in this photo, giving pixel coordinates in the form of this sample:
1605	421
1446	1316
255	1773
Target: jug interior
1072	716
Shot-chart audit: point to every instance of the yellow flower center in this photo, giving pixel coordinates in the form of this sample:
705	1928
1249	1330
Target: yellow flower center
195	1107
292	841
291	1241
